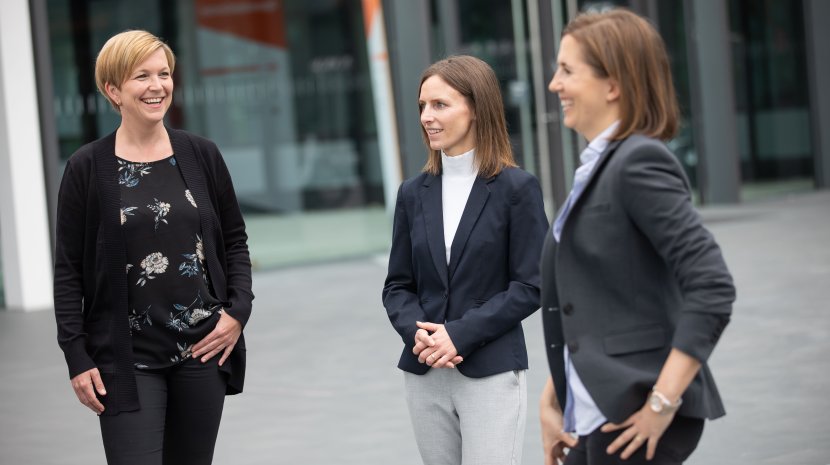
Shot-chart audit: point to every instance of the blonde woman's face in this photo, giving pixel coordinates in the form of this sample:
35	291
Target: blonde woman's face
148	91
446	117
589	103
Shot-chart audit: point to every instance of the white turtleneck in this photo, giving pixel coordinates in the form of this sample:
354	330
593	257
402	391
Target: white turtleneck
458	174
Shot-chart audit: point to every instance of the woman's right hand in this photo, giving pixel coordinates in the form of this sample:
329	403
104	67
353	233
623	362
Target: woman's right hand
554	439
85	385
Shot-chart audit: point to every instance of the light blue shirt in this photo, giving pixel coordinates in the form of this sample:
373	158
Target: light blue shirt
581	412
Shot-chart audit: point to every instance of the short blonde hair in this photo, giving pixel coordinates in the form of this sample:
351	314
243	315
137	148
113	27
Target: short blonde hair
122	53
621	45
477	82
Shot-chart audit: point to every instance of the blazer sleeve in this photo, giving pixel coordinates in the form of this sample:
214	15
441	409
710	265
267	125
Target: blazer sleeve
69	272
506	309
656	197
400	290
235	241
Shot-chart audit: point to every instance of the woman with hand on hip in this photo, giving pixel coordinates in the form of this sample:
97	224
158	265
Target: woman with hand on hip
635	292
152	272
463	272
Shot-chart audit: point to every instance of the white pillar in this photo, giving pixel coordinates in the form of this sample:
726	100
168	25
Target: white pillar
24	225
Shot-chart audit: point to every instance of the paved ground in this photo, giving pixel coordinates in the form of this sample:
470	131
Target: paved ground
323	388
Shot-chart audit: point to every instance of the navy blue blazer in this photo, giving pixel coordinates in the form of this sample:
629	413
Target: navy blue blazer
492	281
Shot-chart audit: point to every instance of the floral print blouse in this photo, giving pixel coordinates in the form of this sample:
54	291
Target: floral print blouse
171	306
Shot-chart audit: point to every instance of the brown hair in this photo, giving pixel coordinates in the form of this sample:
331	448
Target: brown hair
476	81
122	53
621	45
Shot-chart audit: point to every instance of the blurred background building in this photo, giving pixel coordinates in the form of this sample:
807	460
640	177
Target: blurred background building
314	105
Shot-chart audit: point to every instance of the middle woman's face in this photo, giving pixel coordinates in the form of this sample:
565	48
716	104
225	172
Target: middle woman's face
446	117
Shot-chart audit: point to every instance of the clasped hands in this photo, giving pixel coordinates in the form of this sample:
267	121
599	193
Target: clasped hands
223	338
434	347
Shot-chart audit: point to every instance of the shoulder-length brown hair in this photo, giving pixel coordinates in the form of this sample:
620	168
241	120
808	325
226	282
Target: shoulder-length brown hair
476	81
622	46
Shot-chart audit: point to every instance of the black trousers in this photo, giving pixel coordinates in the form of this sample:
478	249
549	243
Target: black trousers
178	421
675	446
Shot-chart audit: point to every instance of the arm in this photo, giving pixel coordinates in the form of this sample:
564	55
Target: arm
235	315
69	272
554	439
399	290
503	311
68	289
657	199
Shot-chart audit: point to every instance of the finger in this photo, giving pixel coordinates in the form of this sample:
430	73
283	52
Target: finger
98	382
624	438
225	354
431	327
422	357
211	354
651	448
433	358
211	346
457	359
611	427
418	348
633	446
568	440
92	401
199	347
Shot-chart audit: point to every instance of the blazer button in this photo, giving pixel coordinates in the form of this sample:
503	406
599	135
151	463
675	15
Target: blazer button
552	309
568	309
573	347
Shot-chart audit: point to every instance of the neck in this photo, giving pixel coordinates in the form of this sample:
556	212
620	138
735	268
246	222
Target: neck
142	143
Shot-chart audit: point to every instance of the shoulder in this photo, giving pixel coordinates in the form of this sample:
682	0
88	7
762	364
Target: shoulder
204	144
514	180
639	147
410	186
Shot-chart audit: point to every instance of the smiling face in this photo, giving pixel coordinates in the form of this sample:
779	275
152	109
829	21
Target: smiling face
147	93
589	103
446	117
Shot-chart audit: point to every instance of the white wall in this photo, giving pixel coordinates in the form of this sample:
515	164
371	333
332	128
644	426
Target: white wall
24	226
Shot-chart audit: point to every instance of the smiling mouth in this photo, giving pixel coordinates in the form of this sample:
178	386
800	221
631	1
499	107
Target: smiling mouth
152	101
433	132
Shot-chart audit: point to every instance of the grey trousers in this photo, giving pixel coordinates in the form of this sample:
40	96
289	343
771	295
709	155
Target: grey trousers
468	421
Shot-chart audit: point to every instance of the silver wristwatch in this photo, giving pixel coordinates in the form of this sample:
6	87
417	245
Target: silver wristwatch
661	404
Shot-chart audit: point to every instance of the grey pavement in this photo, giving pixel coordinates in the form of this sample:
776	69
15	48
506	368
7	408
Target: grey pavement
322	386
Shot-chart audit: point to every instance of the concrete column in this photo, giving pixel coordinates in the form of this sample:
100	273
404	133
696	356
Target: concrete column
24	226
407	35
713	100
817	36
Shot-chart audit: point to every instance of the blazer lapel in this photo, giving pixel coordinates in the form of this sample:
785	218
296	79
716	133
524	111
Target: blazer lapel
433	212
475	203
603	159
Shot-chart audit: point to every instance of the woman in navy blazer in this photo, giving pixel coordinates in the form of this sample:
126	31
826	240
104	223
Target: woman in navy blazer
463	272
635	292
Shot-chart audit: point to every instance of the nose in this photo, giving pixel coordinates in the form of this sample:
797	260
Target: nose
555	84
426	116
155	82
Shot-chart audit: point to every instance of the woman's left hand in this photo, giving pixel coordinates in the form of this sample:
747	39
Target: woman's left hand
222	339
643	427
443	353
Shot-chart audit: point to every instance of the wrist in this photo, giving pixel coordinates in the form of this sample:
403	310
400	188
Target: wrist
660	403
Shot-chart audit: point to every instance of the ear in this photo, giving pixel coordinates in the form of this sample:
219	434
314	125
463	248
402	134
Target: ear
613	93
113	92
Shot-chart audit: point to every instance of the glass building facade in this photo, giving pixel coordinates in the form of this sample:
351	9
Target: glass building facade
314	102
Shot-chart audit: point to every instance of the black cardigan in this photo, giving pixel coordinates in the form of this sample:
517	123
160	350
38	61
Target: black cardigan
90	287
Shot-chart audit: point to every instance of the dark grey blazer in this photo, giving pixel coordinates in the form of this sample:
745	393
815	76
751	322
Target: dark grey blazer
635	274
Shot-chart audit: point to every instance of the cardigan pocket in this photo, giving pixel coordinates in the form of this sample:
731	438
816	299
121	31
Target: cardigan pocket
637	340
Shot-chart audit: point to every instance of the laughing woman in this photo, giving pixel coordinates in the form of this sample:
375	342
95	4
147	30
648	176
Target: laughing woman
635	290
463	273
152	273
